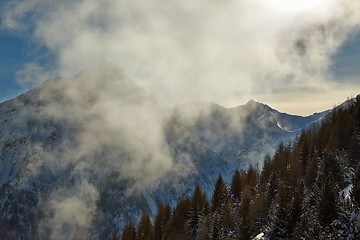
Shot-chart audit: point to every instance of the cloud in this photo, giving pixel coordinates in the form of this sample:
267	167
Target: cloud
104	129
182	50
32	75
116	121
70	212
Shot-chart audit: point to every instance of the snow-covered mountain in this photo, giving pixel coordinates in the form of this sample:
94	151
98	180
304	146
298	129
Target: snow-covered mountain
80	156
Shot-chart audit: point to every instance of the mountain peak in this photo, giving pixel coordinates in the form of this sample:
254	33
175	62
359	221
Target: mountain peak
251	101
103	71
104	77
254	104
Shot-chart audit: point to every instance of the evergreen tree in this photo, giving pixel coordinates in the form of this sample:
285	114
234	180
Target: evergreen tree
311	171
330	176
278	216
250	179
162	216
145	230
346	225
177	227
218	194
198	208
328	205
129	232
258	211
114	236
245	223
236	185
205	227
227	218
295	209
355	190
267	170
309	226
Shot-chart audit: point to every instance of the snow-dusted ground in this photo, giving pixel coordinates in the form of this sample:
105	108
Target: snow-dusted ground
204	140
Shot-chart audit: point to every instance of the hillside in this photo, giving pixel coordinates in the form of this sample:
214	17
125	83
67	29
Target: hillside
81	156
307	190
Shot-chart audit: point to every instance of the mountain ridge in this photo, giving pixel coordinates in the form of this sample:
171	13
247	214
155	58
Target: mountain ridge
116	145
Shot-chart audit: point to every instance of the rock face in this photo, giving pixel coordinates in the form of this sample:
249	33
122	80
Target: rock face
80	156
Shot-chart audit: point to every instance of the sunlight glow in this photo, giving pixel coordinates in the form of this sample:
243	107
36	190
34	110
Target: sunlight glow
294	6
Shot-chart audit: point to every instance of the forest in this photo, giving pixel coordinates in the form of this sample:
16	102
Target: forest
309	189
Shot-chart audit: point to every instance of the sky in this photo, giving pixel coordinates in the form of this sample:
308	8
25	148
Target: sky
298	56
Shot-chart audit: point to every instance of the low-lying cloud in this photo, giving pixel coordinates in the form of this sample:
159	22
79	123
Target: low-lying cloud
105	130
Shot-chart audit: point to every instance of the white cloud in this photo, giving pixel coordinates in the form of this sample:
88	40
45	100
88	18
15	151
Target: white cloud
185	50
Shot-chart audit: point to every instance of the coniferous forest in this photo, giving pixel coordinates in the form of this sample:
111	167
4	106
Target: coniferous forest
309	189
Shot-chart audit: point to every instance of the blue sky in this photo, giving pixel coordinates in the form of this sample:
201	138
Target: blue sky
347	61
14	52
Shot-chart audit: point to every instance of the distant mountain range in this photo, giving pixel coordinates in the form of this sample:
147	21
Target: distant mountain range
81	156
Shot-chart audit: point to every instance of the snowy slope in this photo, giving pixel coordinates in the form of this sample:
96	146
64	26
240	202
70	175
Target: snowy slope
99	145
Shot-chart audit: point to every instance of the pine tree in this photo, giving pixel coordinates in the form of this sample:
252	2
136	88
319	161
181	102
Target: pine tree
162	216
198	208
258	211
114	236
227	218
236	185
177	227
328	205
218	194
245	223
145	230
355	190
311	171
250	178
205	227
330	176
308	227
129	232
267	170
278	215
346	225
295	209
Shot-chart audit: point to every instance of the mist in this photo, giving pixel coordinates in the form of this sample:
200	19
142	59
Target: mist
105	129
226	52
219	51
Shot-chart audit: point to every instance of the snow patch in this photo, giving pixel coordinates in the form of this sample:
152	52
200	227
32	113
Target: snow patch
260	236
346	192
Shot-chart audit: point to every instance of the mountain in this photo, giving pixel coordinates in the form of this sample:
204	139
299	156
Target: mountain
307	190
81	156
242	135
